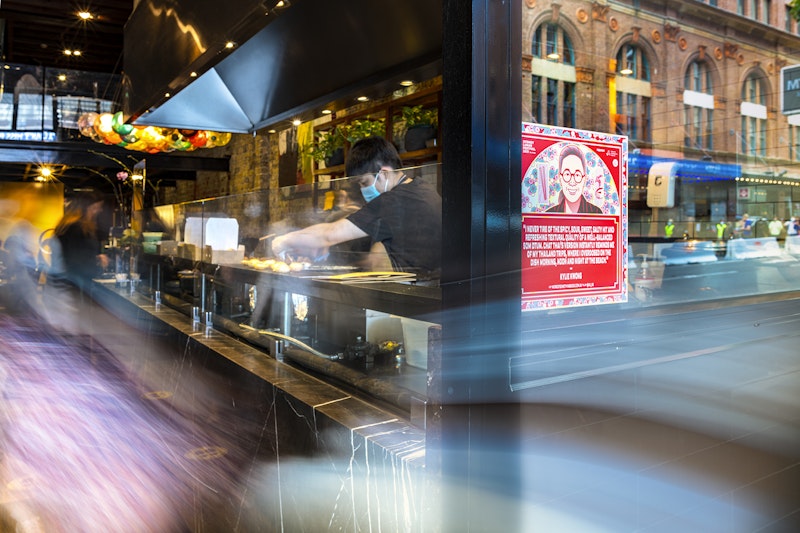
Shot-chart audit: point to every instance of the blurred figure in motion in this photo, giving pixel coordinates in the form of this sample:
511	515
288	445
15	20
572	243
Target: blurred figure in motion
75	258
18	271
80	241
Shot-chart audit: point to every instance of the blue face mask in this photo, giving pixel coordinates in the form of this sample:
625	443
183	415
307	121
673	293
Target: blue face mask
370	192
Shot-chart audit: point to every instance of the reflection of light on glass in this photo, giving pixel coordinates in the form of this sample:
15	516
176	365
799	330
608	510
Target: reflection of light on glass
300	304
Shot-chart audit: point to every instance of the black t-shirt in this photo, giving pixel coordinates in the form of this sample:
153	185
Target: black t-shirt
79	252
408	221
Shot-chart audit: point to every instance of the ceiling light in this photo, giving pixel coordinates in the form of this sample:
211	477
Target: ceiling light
553	56
62	77
193	74
76	52
363	98
67	52
45	174
296	122
326	111
406	83
85	15
230	44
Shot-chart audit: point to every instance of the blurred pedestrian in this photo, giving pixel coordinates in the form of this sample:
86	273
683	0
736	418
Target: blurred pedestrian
80	243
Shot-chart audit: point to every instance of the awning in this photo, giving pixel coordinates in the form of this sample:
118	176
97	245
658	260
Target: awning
688	169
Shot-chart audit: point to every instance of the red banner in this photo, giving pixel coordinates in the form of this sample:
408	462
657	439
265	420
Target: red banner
574	217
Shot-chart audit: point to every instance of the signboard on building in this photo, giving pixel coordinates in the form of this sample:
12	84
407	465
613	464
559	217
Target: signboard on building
790	90
574	217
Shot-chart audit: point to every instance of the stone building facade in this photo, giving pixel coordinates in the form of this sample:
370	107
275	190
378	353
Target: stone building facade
731	41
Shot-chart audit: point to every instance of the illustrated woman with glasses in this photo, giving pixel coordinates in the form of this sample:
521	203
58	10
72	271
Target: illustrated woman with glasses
572	177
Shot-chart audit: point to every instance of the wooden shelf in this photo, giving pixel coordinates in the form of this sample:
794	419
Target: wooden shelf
390	112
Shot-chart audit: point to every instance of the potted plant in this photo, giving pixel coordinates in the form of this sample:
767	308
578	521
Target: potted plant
363	128
328	146
420	124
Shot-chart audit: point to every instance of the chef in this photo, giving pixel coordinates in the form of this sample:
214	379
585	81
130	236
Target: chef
402	216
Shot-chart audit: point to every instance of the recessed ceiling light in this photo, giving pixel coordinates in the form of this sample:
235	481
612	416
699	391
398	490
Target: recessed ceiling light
363	98
193	74
296	122
326	111
406	83
62	77
76	52
166	95
230	44
67	52
270	131
85	15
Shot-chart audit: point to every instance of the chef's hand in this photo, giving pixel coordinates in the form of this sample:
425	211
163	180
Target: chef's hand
280	245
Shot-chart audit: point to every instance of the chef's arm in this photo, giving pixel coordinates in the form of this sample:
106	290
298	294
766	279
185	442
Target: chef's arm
316	237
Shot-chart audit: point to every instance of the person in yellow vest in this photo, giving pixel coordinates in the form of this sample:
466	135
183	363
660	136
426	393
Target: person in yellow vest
669	228
721	227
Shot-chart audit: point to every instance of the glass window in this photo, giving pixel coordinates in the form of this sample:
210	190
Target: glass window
633	101
698	111
550	42
754	121
794	143
632	62
553	90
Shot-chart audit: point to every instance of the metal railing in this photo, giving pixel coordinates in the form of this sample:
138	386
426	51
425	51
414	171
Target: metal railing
43	104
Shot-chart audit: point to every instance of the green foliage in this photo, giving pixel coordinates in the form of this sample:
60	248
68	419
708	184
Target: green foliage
363	128
794	9
326	142
418	116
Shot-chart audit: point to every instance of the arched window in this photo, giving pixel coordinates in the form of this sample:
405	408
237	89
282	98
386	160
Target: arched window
552	77
632	63
753	111
633	93
698	106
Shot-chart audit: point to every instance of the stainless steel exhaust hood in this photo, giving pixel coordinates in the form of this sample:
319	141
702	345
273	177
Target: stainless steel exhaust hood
286	62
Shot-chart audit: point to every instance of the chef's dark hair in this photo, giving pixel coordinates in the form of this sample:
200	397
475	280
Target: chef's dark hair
367	156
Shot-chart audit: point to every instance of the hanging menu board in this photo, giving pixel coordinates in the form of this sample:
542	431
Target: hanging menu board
574	217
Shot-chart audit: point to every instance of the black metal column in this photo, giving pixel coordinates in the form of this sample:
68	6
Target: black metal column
481	118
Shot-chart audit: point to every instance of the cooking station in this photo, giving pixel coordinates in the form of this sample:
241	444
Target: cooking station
374	332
